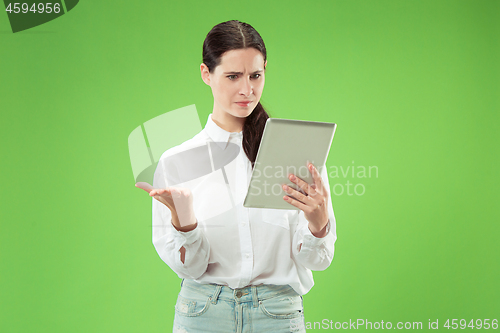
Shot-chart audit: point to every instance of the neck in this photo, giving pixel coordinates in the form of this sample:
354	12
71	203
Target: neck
228	122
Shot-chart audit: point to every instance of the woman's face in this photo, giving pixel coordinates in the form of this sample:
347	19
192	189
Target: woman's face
237	83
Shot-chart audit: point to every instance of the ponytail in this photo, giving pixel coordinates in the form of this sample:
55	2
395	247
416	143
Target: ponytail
252	132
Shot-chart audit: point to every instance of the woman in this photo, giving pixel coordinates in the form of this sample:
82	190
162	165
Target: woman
243	269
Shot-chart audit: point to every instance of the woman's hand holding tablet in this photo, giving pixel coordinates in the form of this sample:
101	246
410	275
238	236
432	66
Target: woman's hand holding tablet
313	203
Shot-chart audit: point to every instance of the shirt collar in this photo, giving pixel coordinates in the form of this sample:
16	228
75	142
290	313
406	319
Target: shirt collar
219	135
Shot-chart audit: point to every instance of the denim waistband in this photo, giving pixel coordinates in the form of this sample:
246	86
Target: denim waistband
252	294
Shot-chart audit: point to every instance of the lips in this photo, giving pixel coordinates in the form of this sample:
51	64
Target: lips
244	103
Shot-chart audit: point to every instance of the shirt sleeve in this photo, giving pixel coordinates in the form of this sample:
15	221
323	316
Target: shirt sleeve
312	252
168	241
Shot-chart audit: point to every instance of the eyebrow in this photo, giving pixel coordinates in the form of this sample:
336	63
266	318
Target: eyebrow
259	71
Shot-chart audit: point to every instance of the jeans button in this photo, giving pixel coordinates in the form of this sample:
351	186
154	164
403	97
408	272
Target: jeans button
239	293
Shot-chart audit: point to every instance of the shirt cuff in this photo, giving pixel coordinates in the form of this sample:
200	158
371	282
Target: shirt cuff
188	237
311	241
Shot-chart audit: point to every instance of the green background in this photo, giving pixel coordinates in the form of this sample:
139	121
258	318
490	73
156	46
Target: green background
413	86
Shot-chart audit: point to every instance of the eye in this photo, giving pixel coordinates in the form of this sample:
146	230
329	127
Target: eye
232	77
255	76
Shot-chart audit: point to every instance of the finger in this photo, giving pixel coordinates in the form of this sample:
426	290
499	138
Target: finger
159	191
316	191
296	203
296	194
318	181
302	184
145	186
176	193
185	191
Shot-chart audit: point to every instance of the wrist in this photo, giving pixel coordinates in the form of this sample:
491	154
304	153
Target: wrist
319	233
186	228
182	228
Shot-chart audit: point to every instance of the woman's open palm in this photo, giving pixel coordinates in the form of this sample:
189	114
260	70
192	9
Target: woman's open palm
178	199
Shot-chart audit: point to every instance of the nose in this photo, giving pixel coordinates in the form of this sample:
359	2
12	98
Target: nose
246	88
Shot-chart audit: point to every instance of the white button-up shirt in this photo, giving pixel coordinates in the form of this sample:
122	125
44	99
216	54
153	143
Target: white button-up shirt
233	245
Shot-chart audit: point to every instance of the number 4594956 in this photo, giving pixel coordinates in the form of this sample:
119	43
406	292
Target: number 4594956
36	8
478	324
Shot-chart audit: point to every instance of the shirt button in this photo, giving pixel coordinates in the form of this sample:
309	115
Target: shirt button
243	223
247	255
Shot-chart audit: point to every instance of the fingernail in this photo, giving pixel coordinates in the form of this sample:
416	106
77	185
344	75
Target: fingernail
292	177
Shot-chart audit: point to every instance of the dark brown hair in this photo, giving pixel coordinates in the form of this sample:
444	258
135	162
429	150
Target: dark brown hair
233	35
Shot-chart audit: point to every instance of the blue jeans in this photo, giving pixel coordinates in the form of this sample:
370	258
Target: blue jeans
217	308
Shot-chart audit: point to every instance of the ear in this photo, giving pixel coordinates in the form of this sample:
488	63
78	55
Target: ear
265	64
205	73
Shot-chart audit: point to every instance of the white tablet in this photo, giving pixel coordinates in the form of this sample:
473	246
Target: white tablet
286	147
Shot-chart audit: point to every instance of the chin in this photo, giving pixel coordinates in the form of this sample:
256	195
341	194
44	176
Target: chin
242	113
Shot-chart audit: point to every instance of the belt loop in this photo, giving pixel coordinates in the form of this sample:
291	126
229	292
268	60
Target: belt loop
182	281
255	298
216	294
